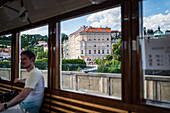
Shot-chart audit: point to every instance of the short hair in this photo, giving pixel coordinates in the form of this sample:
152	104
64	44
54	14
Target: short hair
29	54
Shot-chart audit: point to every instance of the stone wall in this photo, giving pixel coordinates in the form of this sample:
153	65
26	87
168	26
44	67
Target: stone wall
156	87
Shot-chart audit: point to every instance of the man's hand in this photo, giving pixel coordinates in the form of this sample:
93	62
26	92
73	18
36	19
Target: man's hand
19	80
16	80
1	107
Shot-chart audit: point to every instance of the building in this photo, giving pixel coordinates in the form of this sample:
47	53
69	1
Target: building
66	49
90	44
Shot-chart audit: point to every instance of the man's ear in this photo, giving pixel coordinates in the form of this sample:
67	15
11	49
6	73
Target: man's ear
33	59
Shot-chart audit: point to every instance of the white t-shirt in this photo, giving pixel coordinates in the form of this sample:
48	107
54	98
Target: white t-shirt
34	80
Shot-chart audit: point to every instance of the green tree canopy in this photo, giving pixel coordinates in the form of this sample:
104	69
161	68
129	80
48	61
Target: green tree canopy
64	37
109	57
117	50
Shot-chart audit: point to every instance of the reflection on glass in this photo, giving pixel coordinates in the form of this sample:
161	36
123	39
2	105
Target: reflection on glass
5	57
156	52
36	40
91	65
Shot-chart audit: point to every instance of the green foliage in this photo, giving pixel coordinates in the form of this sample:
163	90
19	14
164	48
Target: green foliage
79	68
31	40
72	64
117	50
5	64
116	62
100	61
114	69
5	41
73	61
42	60
64	37
102	69
109	57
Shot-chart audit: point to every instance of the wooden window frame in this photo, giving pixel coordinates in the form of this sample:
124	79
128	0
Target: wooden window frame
132	79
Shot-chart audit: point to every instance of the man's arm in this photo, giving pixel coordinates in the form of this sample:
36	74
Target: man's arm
19	80
19	98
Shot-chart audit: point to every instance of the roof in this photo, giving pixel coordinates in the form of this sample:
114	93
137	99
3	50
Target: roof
100	30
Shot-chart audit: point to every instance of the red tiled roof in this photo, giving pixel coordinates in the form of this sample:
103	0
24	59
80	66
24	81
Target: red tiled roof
98	30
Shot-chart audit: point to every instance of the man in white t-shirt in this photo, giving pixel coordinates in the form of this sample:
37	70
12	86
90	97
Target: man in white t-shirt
30	98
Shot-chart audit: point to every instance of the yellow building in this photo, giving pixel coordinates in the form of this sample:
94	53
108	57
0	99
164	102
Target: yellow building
90	43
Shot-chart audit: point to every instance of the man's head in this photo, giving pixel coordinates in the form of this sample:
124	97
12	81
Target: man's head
27	59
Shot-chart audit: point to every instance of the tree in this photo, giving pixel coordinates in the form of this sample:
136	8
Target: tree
64	37
117	50
109	57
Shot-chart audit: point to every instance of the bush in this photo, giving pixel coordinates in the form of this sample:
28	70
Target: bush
102	69
109	57
100	61
5	64
72	64
115	69
79	68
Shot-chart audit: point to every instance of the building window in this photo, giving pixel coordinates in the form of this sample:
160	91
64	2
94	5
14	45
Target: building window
89	51
98	51
89	44
81	44
102	51
89	37
83	38
107	38
98	38
94	51
102	37
81	51
107	44
94	44
107	51
99	44
102	44
94	37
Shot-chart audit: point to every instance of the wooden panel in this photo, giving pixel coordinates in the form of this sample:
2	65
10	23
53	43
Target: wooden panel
83	106
4	88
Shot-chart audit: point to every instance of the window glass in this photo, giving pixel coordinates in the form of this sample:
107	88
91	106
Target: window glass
98	37
94	37
36	40
89	37
98	51
104	74
5	57
94	44
94	51
155	52
102	37
89	51
89	44
99	44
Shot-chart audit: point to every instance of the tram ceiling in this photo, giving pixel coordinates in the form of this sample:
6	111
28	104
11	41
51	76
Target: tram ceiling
18	13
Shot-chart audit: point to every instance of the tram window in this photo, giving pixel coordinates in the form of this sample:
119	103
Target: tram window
156	58
36	40
82	72
5	57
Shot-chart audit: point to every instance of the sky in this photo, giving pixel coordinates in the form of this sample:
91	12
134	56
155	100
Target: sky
155	13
